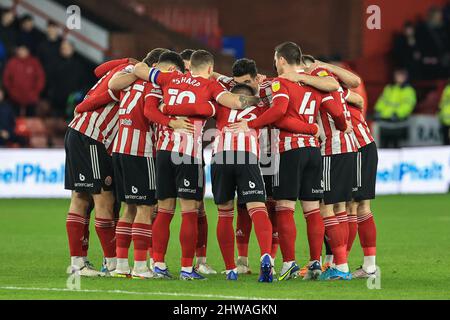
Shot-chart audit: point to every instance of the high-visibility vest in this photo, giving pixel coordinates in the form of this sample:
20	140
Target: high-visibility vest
444	113
397	101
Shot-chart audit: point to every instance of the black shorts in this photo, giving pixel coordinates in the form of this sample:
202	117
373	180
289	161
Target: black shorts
228	176
268	183
88	164
135	179
267	169
367	163
299	175
178	176
339	177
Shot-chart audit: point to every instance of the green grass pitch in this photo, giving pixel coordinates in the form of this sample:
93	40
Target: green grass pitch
413	254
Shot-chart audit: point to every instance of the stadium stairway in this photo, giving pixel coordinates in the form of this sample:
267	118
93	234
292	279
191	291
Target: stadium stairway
133	34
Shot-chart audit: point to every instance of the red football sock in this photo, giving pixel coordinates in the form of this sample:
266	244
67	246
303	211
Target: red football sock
352	231
225	237
202	240
161	234
316	231
123	239
188	237
75	232
270	204
153	217
86	235
335	238
141	233
367	234
287	232
106	231
243	230
343	223
263	228
150	243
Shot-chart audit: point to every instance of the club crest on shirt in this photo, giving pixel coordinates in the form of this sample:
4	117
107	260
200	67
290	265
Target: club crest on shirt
276	86
323	73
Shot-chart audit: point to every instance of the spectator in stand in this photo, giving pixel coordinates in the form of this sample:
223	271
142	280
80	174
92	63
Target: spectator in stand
28	34
3	56
48	49
393	109
406	53
7	121
444	114
24	80
68	67
8	30
434	44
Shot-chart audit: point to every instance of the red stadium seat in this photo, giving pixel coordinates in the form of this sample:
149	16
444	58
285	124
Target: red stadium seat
21	127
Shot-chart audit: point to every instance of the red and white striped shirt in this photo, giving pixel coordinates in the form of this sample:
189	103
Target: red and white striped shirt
361	132
265	94
102	124
181	88
302	103
226	140
334	141
136	132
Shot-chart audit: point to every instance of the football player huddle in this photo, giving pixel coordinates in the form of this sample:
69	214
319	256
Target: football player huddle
136	144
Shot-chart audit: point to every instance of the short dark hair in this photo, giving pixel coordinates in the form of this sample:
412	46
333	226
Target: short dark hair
243	67
26	17
289	51
186	54
308	57
242	87
153	56
173	58
200	58
51	23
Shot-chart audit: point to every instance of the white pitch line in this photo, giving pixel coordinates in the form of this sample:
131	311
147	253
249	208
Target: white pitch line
137	293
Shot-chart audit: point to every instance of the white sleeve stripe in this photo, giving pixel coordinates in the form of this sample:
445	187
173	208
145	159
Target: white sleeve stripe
213	108
280	95
153	95
220	94
111	94
327	99
347	95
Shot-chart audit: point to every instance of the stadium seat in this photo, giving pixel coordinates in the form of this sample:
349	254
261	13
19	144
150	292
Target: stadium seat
34	130
21	127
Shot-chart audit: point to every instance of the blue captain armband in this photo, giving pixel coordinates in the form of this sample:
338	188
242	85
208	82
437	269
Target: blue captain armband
153	75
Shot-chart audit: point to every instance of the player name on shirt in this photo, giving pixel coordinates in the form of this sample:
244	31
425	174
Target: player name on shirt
177	89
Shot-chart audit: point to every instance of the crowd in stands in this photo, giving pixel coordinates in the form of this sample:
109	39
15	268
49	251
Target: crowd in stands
423	47
420	54
41	77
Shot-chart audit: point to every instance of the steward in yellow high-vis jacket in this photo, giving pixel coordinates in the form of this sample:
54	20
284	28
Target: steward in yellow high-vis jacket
444	114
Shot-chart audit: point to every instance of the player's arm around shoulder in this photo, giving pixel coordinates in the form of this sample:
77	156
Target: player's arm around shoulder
122	79
326	83
354	99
